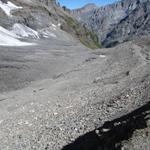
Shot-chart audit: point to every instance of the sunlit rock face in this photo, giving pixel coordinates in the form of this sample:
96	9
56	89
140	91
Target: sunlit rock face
84	9
106	20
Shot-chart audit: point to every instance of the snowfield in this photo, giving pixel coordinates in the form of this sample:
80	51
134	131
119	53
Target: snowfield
8	38
8	7
24	31
8	32
11	37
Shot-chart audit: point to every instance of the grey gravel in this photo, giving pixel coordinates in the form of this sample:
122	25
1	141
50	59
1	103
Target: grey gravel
55	92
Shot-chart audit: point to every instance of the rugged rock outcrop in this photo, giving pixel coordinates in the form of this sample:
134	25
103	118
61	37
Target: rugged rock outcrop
137	23
122	19
84	9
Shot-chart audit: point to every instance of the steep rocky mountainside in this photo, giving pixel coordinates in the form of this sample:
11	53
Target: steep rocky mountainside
117	22
137	23
44	17
84	9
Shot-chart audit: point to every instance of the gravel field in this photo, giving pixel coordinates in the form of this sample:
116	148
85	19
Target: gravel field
56	91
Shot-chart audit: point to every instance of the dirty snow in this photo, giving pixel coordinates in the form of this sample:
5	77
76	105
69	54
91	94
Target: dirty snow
8	7
102	56
59	24
24	31
9	39
47	33
8	32
53	27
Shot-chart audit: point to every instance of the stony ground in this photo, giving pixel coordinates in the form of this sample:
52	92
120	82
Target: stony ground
56	91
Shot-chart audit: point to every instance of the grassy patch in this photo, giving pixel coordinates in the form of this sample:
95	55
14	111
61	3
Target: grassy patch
87	38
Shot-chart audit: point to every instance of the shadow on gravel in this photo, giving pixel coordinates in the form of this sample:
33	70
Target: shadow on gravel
110	135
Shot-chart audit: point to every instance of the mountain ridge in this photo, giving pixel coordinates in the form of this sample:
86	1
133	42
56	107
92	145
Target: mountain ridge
103	20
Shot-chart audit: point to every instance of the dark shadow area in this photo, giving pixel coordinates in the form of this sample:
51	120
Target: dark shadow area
110	135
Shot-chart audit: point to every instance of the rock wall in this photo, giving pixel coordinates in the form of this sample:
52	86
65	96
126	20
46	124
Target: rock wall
105	20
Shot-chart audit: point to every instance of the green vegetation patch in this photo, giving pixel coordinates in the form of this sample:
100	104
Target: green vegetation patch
86	37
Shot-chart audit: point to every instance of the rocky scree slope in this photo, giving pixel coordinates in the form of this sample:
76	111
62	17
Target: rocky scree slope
113	134
44	17
117	22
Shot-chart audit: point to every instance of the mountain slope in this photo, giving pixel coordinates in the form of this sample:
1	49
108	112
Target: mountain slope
45	17
55	90
137	23
106	20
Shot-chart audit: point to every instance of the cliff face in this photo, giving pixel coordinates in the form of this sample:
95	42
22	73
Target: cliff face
104	20
85	9
137	23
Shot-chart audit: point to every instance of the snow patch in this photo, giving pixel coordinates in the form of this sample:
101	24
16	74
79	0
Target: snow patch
102	56
59	24
53	27
8	32
7	38
1	121
46	33
8	7
24	31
